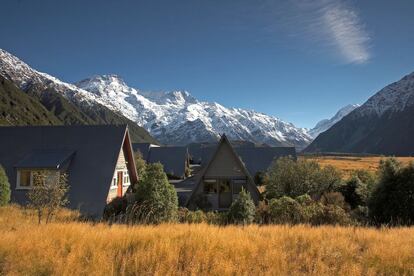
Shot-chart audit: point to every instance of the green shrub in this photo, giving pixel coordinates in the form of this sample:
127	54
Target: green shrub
287	177
358	188
4	188
262	215
155	198
392	201
286	210
242	210
187	216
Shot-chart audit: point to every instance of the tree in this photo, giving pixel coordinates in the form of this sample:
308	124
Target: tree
392	201
285	210
242	210
291	178
4	188
140	163
358	188
48	193
155	198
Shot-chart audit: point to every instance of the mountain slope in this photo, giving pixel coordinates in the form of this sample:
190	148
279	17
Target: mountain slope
18	108
67	103
384	124
325	124
178	118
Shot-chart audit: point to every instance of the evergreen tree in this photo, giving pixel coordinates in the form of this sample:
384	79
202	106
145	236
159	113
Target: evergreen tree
156	200
242	210
4	188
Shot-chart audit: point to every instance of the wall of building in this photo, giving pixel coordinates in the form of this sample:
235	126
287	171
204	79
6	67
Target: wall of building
121	166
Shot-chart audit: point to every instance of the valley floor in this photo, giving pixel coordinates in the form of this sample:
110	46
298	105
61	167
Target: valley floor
348	163
67	247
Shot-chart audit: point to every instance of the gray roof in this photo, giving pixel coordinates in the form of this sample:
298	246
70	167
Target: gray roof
184	189
174	159
46	158
256	159
95	152
143	148
259	159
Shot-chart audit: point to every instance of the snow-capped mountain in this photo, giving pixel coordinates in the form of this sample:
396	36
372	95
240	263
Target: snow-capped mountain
178	118
383	124
325	124
172	117
70	104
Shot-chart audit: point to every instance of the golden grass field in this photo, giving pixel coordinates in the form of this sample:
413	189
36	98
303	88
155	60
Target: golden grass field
65	247
347	164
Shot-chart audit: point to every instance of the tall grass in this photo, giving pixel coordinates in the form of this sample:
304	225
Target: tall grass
74	248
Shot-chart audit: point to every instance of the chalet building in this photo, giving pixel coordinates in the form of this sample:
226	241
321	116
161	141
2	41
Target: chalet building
175	160
98	160
219	182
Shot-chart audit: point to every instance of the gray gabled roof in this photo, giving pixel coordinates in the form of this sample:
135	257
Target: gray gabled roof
46	158
174	159
259	159
143	148
95	152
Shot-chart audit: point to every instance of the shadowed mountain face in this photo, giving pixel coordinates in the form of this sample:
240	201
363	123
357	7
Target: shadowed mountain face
29	97
383	125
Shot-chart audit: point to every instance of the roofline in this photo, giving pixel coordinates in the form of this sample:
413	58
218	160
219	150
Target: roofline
130	151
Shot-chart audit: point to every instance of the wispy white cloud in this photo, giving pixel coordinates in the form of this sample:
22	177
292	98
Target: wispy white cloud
331	25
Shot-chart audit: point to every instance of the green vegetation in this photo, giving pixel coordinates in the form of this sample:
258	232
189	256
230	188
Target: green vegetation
242	210
155	198
392	201
48	194
4	188
288	177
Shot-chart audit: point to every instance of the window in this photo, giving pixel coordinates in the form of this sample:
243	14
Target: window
224	186
24	179
238	185
210	186
114	184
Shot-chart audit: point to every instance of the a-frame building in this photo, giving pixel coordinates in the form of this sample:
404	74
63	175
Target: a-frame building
222	179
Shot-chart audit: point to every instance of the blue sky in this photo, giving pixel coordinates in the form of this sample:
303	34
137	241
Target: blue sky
299	60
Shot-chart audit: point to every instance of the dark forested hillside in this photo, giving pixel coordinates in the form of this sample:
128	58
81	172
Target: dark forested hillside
37	106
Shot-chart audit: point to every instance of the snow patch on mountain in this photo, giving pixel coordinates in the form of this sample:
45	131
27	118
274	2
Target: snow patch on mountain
177	117
394	97
326	124
173	117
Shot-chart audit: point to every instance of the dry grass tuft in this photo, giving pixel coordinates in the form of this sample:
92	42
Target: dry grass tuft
74	248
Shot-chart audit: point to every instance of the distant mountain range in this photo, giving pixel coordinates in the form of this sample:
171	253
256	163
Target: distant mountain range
29	97
384	124
326	124
178	118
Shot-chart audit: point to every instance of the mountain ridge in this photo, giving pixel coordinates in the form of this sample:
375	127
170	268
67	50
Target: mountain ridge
382	125
176	117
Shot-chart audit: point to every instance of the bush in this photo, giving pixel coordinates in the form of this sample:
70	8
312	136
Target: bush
155	198
242	210
115	208
392	201
187	216
285	210
4	188
48	194
287	177
262	213
358	188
